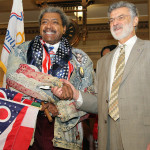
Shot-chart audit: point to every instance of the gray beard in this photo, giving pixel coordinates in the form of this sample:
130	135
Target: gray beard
126	31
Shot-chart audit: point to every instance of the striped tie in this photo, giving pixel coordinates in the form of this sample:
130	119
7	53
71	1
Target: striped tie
113	103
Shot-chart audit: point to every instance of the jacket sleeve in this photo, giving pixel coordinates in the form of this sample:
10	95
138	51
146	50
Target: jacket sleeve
26	78
86	84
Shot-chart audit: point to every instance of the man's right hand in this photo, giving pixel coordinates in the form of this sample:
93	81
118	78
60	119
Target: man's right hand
67	92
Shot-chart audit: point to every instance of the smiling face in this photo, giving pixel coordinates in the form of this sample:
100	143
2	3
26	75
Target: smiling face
122	26
51	28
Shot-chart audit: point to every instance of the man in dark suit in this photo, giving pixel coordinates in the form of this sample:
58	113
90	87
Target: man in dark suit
122	106
107	49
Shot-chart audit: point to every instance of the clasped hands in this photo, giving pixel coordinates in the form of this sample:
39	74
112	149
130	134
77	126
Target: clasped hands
67	92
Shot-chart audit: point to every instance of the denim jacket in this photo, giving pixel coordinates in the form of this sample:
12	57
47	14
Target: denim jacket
67	129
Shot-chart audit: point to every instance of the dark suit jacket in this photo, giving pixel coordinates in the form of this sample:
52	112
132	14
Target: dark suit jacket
134	98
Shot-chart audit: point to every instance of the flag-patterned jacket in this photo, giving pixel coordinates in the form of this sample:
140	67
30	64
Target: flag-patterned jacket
27	80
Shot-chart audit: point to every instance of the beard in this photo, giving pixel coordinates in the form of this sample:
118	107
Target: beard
127	29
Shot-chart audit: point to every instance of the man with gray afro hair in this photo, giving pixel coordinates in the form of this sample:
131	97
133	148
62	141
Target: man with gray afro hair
63	16
36	67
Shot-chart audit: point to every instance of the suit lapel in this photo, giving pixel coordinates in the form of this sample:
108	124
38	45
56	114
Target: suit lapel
108	66
133	57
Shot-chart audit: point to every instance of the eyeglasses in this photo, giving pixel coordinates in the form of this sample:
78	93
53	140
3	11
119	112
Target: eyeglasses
119	18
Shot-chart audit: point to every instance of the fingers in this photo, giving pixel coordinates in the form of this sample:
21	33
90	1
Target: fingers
75	92
66	82
47	113
67	92
44	106
51	108
64	93
69	88
57	91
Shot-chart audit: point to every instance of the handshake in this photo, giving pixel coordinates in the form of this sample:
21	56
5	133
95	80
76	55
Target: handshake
66	92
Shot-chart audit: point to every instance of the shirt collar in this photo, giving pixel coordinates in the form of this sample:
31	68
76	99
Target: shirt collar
130	42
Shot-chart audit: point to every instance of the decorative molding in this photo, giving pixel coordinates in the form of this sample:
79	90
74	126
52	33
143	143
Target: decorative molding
103	27
95	31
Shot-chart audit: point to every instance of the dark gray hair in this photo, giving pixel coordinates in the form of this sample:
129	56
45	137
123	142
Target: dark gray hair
63	16
132	8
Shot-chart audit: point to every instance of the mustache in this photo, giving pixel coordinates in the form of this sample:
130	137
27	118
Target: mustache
49	30
116	27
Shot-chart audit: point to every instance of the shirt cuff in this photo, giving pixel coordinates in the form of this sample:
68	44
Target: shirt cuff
79	101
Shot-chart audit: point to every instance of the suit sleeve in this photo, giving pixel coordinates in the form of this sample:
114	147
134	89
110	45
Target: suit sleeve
89	102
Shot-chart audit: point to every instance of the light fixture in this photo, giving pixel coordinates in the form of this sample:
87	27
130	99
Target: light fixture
79	13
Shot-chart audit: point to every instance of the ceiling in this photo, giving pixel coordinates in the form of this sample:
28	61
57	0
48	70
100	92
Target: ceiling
95	12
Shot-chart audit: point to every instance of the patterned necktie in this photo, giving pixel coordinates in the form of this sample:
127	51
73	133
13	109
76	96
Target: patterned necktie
113	102
50	49
51	53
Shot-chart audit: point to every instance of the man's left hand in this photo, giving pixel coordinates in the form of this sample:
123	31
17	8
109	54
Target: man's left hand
51	108
63	93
